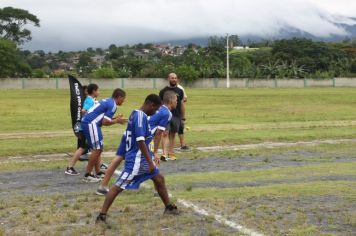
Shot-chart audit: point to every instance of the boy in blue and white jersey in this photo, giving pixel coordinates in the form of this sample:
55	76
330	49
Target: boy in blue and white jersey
157	124
92	92
100	114
139	164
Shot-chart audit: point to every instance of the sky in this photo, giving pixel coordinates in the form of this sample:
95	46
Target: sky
79	24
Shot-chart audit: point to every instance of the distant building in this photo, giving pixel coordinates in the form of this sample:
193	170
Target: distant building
98	60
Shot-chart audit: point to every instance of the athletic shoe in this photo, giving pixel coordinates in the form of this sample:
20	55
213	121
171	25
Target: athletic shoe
185	148
91	178
100	175
71	171
103	167
164	158
101	219
171	209
102	191
172	157
84	157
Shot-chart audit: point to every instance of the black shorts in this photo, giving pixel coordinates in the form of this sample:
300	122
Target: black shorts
82	143
174	125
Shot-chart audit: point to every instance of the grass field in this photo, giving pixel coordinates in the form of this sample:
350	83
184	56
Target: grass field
299	190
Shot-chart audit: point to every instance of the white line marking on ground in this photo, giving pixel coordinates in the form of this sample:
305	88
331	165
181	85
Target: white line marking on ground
200	211
219	218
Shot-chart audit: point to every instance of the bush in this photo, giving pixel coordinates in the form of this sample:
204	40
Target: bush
105	73
38	73
187	73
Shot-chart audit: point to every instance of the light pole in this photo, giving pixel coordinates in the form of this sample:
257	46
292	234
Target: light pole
227	62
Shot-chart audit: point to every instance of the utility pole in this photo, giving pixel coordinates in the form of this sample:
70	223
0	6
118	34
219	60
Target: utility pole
227	62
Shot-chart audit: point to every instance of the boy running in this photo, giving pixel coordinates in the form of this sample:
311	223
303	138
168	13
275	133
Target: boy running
139	165
100	114
157	123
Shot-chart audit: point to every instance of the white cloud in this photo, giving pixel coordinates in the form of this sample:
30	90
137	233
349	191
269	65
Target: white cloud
83	23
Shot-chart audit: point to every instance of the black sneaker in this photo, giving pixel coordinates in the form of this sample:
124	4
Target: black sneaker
84	157
164	158
91	178
71	171
171	209
101	219
102	191
185	148
103	167
100	175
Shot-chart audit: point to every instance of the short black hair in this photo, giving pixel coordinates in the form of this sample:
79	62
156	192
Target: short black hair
118	93
91	88
153	98
85	87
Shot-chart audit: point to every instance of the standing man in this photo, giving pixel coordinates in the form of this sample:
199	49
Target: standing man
176	121
91	92
139	164
100	114
183	146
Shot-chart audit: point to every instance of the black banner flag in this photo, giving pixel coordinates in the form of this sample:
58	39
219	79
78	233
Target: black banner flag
76	103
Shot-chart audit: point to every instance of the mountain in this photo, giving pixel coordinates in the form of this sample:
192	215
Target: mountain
286	32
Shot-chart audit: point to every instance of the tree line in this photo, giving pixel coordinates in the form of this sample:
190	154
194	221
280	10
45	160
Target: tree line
285	58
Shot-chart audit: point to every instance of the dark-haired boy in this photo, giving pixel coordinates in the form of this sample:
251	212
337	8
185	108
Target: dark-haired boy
139	163
100	114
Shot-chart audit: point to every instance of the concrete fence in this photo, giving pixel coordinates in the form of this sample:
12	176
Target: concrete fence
155	83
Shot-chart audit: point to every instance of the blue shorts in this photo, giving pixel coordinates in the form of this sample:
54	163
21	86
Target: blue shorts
93	135
121	150
128	180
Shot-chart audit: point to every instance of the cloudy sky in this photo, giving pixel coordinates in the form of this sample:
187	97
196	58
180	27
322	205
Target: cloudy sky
78	24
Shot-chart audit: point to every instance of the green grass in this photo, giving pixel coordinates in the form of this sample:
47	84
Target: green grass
215	116
276	174
312	194
133	213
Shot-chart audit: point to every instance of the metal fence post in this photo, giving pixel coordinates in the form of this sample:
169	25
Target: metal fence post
247	83
305	83
154	83
216	81
275	83
334	82
23	83
122	83
56	83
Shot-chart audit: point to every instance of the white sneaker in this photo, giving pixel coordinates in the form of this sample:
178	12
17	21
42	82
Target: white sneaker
89	178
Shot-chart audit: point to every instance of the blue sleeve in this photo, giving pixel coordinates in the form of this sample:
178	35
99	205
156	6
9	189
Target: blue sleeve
88	103
140	121
110	110
163	121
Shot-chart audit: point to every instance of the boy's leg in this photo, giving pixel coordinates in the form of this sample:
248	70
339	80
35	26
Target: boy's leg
160	186
172	140
93	159
165	143
110	197
75	157
110	171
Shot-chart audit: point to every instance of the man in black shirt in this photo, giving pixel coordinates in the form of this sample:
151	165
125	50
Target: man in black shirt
176	121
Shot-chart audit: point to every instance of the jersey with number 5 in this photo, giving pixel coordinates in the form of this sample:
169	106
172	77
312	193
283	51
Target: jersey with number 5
137	130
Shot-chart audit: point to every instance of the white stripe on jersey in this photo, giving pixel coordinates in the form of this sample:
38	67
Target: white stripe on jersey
95	128
98	118
135	169
91	133
140	115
